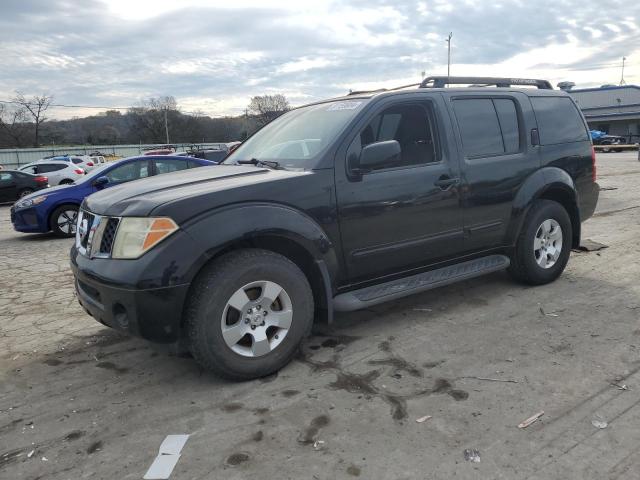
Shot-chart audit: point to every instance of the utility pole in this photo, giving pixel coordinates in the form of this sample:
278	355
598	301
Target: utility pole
166	124
449	55
622	82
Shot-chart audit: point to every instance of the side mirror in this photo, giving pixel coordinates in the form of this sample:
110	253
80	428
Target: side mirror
378	154
100	181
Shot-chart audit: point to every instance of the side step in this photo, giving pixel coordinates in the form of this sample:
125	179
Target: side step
402	287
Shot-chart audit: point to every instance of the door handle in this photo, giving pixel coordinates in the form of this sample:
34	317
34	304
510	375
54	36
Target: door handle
445	182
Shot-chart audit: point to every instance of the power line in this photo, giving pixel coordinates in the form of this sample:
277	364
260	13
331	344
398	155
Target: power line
100	107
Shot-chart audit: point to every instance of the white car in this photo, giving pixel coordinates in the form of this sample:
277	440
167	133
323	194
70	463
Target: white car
58	172
83	161
97	160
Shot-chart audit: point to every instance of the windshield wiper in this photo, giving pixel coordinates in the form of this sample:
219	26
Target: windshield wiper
260	163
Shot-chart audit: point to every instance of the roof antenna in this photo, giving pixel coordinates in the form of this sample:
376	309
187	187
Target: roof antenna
448	40
622	82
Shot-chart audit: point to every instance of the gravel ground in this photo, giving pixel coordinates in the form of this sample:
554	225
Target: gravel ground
78	400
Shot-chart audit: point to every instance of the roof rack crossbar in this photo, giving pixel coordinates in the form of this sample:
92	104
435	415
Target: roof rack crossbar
442	81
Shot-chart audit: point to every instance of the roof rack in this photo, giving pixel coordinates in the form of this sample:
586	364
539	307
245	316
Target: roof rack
441	81
378	90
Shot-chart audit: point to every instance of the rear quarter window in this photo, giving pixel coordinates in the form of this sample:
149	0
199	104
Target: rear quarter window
558	120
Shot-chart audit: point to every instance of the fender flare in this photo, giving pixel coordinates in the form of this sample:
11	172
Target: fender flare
536	186
218	231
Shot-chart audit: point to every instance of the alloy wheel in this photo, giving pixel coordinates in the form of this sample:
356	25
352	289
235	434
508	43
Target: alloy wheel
257	318
547	244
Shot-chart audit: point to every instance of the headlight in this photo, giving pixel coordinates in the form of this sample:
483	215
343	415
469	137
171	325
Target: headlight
30	202
137	235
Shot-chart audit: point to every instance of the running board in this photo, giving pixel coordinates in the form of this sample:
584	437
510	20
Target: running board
368	296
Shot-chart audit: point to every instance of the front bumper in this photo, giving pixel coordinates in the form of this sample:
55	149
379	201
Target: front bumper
154	314
27	220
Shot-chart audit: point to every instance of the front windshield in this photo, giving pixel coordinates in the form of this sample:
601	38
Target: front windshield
297	138
95	173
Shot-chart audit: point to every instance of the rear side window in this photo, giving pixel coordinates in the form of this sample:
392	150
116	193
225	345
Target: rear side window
558	120
76	160
167	166
487	126
49	167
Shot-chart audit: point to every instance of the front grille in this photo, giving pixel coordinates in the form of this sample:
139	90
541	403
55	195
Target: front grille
109	235
96	234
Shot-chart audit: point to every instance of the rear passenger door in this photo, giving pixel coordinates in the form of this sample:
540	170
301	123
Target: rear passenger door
496	158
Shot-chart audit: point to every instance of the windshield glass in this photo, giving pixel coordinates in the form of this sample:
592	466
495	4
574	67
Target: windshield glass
95	173
297	138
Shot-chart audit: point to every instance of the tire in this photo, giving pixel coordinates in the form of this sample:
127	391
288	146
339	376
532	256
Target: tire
63	220
25	192
66	181
244	355
534	260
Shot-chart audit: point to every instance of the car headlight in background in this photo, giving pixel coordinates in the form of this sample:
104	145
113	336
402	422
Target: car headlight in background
30	202
136	235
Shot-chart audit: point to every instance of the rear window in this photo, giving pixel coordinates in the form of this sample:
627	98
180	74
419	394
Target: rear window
487	126
558	120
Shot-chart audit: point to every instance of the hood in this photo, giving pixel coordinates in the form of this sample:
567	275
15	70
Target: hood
142	197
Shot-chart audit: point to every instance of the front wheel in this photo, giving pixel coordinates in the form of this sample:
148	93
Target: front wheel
543	247
247	314
63	220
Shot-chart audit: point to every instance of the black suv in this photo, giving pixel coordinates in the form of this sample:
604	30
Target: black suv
337	206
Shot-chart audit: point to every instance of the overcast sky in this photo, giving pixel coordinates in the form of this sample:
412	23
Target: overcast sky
214	55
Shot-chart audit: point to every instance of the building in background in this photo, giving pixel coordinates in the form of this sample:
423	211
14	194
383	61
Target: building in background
611	109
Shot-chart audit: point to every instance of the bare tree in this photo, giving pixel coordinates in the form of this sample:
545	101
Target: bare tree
153	118
36	106
268	107
13	125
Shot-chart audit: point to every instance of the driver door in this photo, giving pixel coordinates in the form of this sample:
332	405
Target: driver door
407	213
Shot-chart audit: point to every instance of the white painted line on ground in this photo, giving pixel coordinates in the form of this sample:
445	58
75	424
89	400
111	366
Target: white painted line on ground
168	456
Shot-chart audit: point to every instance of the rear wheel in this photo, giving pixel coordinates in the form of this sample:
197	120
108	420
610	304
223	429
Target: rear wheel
247	314
63	220
66	181
25	192
544	245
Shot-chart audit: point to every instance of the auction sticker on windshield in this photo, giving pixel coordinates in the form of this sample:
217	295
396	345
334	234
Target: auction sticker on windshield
344	106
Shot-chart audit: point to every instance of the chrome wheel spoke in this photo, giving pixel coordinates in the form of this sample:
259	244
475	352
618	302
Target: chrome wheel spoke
234	333
270	292
537	243
280	319
239	300
260	344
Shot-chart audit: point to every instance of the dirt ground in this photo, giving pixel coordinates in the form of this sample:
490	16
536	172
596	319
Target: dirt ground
78	400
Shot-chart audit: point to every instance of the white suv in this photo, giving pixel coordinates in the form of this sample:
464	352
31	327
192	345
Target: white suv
59	173
83	161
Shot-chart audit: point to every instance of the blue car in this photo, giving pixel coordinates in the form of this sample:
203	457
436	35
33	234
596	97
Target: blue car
56	209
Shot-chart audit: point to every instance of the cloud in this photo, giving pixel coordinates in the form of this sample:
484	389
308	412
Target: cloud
214	57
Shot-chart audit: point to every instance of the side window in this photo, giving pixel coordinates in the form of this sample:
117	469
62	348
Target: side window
412	125
76	160
32	169
49	167
508	118
128	172
558	120
479	127
167	166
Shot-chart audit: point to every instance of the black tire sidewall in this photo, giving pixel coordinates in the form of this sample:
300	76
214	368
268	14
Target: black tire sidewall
545	210
24	192
54	220
205	324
